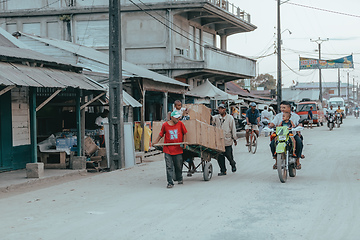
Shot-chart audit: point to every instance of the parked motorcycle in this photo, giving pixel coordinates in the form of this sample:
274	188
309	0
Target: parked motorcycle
331	120
286	163
240	123
338	119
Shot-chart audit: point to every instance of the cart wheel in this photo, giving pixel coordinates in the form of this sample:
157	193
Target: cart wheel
208	170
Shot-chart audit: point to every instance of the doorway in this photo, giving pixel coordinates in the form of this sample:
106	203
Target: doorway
5	132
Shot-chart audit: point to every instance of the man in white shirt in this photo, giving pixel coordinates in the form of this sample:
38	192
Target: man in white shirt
266	117
99	121
286	107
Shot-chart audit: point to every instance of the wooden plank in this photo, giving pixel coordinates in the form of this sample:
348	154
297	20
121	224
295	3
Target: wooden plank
48	100
92	100
5	90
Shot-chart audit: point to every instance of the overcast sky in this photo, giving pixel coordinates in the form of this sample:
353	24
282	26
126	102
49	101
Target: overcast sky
305	24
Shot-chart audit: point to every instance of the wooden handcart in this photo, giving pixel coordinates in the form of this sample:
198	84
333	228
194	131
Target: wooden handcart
192	151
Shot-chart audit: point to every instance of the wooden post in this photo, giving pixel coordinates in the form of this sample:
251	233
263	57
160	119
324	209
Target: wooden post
82	136
78	121
33	130
143	121
165	106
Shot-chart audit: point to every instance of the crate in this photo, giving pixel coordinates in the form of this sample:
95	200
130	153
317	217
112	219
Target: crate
53	159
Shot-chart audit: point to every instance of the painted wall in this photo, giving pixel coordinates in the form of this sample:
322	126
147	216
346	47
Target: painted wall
20	116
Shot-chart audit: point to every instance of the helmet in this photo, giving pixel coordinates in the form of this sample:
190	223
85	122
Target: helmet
252	104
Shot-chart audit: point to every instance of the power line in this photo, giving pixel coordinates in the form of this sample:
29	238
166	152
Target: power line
181	34
87	25
303	75
324	10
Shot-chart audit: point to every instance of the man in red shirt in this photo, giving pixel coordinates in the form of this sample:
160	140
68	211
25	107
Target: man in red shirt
174	131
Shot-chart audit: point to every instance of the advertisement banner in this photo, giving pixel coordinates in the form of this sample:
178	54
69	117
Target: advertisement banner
312	63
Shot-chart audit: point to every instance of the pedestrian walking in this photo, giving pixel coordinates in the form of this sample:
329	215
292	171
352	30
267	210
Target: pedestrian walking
227	123
174	131
310	117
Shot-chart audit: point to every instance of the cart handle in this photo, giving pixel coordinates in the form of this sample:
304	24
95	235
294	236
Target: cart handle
169	144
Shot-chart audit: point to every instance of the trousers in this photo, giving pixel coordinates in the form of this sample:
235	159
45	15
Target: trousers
229	155
174	165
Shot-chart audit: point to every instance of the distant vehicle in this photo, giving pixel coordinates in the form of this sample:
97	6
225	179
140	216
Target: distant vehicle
303	108
337	101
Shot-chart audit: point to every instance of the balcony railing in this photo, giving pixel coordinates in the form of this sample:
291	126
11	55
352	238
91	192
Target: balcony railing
231	8
226	5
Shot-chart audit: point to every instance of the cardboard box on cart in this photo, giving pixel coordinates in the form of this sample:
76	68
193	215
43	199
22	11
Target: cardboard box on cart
156	128
199	112
199	133
220	139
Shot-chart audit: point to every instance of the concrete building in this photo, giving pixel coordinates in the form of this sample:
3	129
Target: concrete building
185	40
330	89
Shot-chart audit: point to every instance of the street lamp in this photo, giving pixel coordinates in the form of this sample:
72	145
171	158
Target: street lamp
319	42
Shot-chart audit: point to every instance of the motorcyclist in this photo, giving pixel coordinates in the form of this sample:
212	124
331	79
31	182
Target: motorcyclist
339	110
328	112
356	111
286	107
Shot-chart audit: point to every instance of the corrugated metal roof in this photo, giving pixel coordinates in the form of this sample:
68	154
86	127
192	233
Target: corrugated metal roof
129	100
97	56
12	50
7	40
21	75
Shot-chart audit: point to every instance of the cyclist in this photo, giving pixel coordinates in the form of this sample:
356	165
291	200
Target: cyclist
252	120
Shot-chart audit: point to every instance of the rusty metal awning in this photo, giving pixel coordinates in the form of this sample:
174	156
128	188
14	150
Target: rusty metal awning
22	75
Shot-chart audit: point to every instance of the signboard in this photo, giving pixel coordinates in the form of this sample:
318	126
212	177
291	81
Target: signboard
312	63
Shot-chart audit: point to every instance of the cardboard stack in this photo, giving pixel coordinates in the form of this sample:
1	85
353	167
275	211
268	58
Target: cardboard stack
156	128
200	132
199	112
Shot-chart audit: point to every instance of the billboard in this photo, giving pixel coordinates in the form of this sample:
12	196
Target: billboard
312	63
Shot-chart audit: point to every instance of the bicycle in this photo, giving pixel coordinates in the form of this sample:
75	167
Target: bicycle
252	140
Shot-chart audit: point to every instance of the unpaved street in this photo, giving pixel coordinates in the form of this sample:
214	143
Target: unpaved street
322	202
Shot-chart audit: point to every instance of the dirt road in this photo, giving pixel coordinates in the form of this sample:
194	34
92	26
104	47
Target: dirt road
321	202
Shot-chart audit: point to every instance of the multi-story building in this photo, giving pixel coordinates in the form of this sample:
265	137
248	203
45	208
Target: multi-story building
185	40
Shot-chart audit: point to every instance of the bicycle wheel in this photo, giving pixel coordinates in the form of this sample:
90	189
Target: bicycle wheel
254	143
250	139
281	167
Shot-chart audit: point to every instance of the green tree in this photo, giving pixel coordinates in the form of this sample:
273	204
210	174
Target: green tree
267	81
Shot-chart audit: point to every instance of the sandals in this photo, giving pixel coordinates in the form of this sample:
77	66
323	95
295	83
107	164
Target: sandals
298	167
274	166
169	186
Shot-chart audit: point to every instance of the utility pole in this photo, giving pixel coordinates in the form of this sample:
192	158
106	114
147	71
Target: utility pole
352	89
347	87
319	41
339	94
116	116
279	92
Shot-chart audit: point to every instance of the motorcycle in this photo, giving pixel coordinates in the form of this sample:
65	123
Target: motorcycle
356	113
240	123
286	163
330	119
338	119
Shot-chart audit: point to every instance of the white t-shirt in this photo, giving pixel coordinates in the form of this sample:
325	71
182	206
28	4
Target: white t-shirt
100	122
332	111
266	115
279	118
